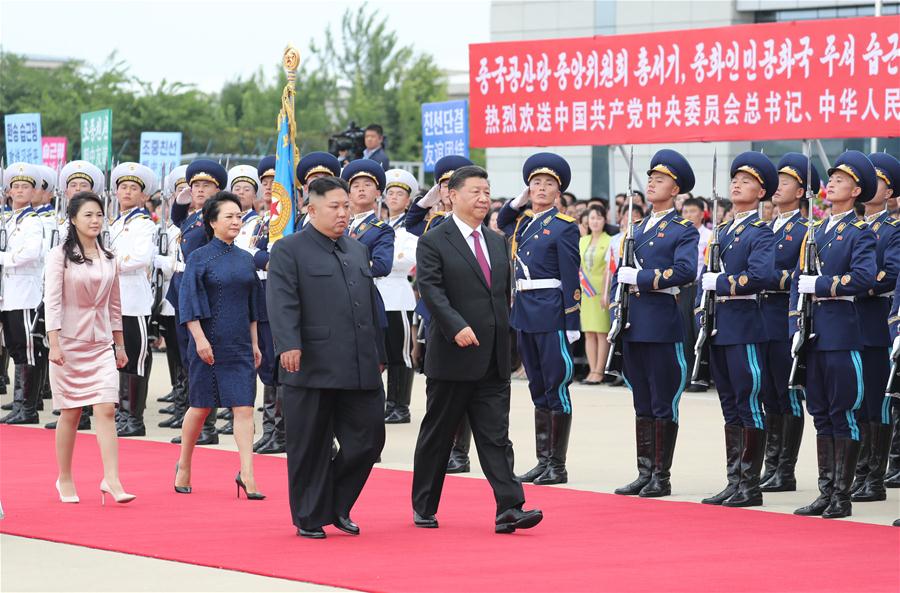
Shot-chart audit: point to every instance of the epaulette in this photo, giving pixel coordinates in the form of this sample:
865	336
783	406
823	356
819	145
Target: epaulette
681	221
724	224
818	222
893	221
565	217
377	223
803	221
529	213
759	223
142	216
860	224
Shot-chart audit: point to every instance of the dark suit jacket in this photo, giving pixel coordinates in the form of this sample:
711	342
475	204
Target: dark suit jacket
456	294
321	299
382	158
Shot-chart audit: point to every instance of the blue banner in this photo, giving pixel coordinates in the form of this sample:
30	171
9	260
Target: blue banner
445	131
23	138
281	222
160	149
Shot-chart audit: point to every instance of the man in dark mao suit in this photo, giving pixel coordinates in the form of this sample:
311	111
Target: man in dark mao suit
322	304
463	275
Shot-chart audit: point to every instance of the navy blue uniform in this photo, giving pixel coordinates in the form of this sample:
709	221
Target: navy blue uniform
545	248
266	370
739	343
834	379
221	290
416	222
378	237
654	364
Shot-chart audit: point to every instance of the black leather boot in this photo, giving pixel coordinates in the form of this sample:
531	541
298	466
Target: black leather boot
892	475
645	440
873	488
275	444
18	393
784	480
180	402
774	436
541	444
748	493
825	461
459	455
122	412
32	383
665	435
4	370
228	427
225	414
167	398
268	417
733	447
208	434
846	455
862	464
404	377
137	402
560	429
84	422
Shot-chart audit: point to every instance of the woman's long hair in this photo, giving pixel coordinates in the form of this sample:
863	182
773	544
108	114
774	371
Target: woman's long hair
72	247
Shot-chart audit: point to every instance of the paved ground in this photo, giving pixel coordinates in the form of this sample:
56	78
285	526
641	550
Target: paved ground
601	458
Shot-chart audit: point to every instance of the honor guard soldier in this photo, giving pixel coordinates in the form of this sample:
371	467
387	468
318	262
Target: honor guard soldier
546	305
44	207
20	292
874	308
399	299
738	346
204	179
173	183
366	180
417	221
782	404
834	375
654	363
265	171
133	240
894	326
315	165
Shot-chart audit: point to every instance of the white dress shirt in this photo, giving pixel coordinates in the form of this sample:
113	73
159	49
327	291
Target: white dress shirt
467	231
655	217
739	219
836	218
783	218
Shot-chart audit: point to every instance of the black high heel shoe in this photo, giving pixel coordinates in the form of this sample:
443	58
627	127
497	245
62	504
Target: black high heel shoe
242	486
181	489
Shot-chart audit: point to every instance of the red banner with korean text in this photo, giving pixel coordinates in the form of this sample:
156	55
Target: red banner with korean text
836	78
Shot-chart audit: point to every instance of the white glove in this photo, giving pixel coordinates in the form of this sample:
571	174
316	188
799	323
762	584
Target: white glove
184	196
178	267
520	200
162	262
628	275
709	280
796	342
807	284
431	198
572	335
5	259
895	350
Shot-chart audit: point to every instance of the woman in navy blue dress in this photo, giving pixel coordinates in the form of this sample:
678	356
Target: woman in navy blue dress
218	305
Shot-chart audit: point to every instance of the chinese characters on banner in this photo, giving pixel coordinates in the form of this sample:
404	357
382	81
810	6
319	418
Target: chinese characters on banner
96	138
160	149
22	132
445	130
53	151
835	78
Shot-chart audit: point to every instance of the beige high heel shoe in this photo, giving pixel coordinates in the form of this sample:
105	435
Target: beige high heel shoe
120	498
68	499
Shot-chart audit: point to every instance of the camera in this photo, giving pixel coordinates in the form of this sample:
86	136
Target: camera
351	142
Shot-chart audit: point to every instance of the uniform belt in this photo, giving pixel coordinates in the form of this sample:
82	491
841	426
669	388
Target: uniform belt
139	272
737	297
885	295
537	284
834	298
775	292
673	290
262	274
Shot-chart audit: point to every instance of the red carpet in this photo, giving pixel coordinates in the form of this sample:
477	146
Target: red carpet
588	541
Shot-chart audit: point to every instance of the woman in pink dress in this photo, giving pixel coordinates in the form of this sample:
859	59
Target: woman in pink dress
84	328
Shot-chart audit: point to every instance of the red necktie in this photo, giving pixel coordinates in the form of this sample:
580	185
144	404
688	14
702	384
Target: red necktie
482	260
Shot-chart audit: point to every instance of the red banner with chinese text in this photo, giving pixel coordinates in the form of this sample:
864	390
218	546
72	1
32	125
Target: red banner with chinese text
834	78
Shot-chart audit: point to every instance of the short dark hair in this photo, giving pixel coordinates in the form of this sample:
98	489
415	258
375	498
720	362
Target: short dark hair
212	207
694	202
375	128
322	185
460	175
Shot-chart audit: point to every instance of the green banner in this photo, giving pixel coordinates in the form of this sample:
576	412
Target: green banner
96	138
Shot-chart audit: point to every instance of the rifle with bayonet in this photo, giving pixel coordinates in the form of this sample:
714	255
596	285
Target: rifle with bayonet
700	374
621	300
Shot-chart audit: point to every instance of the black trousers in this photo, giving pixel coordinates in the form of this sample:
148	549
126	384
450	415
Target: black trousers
173	355
486	403
137	345
22	346
398	338
321	488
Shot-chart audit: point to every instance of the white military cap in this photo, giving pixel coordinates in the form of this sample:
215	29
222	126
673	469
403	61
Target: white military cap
50	176
401	178
174	178
243	173
136	172
82	170
23	172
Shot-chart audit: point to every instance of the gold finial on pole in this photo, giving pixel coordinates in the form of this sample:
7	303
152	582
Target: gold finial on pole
290	61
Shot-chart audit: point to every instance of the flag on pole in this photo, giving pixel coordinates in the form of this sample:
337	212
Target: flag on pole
283	206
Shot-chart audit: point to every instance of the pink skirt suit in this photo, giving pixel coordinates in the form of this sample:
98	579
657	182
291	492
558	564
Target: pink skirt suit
82	302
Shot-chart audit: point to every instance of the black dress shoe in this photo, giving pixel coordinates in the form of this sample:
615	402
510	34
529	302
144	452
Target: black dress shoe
397	416
167	398
227	429
317	533
346	525
428	521
511	519
84	423
458	466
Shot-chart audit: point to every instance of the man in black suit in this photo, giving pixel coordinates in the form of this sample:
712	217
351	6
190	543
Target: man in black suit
321	300
374	139
463	275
